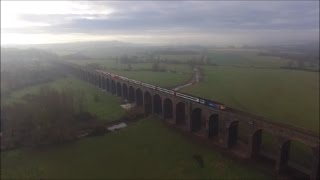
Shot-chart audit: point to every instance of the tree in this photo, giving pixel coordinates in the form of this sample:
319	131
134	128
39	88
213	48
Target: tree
46	118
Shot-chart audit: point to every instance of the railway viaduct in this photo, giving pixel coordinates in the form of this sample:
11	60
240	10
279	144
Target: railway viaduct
223	127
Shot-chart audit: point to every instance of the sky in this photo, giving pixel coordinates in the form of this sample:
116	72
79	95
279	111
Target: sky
160	22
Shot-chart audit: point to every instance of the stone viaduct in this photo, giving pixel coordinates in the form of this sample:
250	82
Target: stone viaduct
223	127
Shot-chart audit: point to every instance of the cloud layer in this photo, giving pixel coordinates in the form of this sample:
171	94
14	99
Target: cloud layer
208	22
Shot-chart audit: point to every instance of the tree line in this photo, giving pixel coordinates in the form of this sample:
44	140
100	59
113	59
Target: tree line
46	118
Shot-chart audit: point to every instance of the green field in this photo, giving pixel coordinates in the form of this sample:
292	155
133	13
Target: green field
146	149
96	102
245	58
285	96
281	95
143	72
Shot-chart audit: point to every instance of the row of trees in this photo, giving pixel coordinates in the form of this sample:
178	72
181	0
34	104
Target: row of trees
49	117
21	68
13	80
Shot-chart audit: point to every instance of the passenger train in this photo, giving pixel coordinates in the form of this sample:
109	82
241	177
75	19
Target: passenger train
205	102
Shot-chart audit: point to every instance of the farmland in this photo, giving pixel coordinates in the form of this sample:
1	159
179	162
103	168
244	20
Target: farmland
116	155
284	96
241	80
281	95
96	102
144	150
245	58
174	75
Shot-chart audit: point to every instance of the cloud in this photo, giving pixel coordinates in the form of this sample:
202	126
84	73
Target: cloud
165	19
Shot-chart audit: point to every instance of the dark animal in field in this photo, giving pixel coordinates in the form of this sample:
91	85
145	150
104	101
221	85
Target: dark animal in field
199	159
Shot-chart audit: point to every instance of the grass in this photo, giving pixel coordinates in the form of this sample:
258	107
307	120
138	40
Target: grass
103	105
143	72
246	58
285	96
144	150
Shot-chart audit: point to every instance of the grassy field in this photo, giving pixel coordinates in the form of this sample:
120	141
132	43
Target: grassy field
95	101
245	58
143	72
290	97
146	149
282	95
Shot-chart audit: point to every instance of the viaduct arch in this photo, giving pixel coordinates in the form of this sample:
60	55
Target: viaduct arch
157	104
125	91
167	109
139	97
216	125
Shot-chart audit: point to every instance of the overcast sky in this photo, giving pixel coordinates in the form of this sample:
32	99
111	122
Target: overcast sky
174	22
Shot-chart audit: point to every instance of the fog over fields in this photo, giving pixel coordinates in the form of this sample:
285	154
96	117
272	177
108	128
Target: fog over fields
160	89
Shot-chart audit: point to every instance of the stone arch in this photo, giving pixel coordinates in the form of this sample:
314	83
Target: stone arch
125	91
263	146
157	104
300	153
167	109
300	159
132	97
119	89
180	113
103	82
91	78
86	76
113	87
147	103
96	80
196	119
82	74
283	156
232	133
213	125
139	97
99	81
256	141
108	84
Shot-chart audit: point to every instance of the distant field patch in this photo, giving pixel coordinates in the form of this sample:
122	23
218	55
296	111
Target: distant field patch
245	58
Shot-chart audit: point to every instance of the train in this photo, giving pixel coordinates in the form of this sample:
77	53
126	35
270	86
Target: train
202	101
